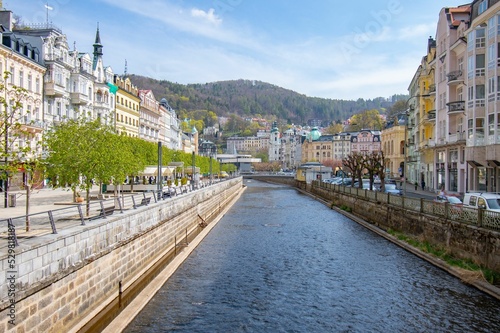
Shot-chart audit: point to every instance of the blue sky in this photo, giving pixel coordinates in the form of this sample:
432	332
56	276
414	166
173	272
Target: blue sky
320	48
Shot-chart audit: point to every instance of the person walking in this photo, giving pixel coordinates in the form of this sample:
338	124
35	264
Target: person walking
423	185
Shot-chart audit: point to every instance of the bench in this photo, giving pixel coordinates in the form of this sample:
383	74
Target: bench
168	192
144	202
103	213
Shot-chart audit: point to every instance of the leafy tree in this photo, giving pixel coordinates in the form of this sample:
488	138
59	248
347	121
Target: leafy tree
19	149
397	108
370	119
334	128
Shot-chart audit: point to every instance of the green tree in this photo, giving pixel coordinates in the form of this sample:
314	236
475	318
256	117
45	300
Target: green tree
19	148
369	119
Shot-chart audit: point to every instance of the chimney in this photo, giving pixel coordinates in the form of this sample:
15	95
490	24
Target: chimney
6	19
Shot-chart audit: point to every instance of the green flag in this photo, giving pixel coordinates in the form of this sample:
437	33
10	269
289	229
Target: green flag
112	88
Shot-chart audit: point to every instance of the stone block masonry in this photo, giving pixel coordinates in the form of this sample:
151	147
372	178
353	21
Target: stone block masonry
69	276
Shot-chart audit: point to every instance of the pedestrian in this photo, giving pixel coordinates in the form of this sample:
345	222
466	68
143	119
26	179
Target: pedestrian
423	185
416	185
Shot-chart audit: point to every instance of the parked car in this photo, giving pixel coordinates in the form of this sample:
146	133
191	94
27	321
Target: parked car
449	199
392	189
484	200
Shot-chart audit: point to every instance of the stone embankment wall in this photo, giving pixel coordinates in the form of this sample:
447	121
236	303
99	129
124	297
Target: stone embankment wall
460	239
76	273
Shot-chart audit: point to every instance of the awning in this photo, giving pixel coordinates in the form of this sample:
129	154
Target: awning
149	171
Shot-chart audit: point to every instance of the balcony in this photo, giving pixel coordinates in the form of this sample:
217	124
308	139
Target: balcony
432	89
456	107
32	126
79	98
455	77
54	89
456	137
430	117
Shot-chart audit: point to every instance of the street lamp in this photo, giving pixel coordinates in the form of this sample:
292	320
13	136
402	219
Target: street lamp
405	176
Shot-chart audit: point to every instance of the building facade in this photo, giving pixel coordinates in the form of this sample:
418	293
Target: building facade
450	166
149	128
127	107
482	152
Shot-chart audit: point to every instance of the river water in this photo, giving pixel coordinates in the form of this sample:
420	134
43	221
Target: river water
280	261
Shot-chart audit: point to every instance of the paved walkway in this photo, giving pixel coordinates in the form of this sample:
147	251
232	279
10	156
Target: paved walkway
40	201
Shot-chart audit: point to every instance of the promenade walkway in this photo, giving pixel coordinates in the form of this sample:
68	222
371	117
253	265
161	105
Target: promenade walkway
41	200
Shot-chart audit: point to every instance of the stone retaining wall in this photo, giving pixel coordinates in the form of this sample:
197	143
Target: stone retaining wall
69	276
464	241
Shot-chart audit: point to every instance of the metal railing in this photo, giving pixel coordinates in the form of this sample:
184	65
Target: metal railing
462	214
100	207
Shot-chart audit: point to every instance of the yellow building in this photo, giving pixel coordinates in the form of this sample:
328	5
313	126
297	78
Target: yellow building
427	114
127	107
393	138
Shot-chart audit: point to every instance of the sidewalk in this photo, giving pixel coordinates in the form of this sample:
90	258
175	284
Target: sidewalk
40	201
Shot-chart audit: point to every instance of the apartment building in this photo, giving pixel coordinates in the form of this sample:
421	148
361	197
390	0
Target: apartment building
127	107
482	152
451	89
149	129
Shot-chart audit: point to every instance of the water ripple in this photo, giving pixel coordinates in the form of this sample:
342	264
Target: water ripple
282	262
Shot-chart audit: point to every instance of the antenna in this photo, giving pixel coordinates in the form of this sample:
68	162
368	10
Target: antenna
48	8
125	73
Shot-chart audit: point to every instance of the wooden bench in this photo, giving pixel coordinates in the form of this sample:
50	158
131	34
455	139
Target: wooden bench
103	213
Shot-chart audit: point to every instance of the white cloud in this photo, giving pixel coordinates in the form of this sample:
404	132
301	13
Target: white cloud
420	30
208	16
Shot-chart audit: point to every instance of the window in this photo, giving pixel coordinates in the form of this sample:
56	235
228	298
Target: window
491	85
491	56
491	124
483	5
491	27
479	64
58	108
480	38
480	91
21	79
30	83
470	40
470	130
470	67
11	75
479	131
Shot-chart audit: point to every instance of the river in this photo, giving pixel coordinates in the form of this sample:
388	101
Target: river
280	261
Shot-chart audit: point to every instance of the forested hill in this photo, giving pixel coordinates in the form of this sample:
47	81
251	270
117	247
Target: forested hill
248	98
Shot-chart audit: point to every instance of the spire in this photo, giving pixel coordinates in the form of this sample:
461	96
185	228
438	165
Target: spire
97	48
97	43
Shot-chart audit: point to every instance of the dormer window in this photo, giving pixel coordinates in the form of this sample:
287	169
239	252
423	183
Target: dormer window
483	5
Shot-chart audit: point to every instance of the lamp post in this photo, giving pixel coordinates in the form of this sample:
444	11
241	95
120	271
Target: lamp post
194	168
405	176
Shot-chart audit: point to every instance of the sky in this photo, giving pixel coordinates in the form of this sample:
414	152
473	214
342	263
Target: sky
320	48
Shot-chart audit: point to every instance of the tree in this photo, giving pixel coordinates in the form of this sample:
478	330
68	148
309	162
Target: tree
82	152
355	162
334	128
397	108
370	119
19	148
374	164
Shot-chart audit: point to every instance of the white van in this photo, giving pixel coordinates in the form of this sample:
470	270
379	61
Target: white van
488	201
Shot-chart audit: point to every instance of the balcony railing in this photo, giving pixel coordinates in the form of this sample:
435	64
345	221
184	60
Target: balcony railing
454	76
456	137
457	106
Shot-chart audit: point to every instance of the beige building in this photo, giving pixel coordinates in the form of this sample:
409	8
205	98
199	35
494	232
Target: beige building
149	127
22	129
451	90
127	107
481	54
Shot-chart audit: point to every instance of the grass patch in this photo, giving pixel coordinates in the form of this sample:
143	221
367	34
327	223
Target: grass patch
490	276
346	208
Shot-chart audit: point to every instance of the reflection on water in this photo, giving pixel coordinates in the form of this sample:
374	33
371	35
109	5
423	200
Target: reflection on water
281	262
